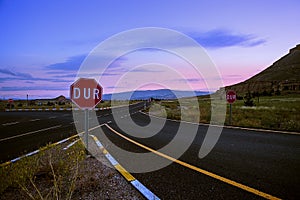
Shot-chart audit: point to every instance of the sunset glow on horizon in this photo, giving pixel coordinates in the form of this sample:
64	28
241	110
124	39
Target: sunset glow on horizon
43	44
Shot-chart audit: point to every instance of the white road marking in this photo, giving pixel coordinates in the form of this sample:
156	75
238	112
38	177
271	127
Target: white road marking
195	168
221	126
33	120
71	144
10	123
16	136
52	117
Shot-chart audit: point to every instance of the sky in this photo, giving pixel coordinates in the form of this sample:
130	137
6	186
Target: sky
44	43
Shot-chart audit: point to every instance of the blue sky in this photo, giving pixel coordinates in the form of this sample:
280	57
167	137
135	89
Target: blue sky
43	43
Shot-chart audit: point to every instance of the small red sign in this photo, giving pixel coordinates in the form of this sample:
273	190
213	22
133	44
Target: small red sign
86	93
10	100
230	96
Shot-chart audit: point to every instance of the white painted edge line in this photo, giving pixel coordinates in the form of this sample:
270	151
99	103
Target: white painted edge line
36	151
10	123
136	184
16	136
231	127
145	191
32	153
33	120
111	159
71	144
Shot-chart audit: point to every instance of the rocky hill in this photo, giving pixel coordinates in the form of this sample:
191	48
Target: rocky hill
282	77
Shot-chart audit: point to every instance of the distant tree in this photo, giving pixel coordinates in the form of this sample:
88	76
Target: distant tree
50	103
256	94
61	103
265	93
10	105
248	100
239	97
32	103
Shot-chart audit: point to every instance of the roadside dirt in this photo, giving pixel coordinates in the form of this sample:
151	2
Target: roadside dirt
97	180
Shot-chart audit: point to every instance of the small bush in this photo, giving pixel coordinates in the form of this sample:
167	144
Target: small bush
58	166
248	101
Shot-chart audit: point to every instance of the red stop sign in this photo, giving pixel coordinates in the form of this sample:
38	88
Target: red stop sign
86	93
231	96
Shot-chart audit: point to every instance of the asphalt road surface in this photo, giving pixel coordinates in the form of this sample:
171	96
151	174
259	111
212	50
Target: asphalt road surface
244	164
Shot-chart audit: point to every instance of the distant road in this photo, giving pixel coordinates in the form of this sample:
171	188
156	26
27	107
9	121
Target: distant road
268	162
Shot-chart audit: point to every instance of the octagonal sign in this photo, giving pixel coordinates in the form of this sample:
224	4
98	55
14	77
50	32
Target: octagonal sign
86	93
231	96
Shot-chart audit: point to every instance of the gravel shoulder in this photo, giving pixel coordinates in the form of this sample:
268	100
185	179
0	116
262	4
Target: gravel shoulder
97	179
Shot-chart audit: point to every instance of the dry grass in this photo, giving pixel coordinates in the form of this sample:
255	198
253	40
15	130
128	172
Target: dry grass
274	112
50	174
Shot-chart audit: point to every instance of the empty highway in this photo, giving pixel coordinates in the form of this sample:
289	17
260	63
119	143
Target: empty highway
244	164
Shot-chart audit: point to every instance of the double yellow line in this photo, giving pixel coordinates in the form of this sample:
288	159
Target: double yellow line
215	176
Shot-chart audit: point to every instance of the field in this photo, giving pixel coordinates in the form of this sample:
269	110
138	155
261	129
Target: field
269	112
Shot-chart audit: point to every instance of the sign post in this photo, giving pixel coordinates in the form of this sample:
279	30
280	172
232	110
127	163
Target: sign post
10	101
86	94
86	128
231	98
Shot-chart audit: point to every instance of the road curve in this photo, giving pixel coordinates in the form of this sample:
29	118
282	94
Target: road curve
267	162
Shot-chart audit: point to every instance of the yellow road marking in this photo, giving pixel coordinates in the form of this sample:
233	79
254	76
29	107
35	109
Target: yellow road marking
105	151
125	173
220	178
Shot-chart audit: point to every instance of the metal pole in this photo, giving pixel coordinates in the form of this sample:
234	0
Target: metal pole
86	127
230	113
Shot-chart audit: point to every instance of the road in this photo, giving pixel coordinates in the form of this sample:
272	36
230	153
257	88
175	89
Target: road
267	162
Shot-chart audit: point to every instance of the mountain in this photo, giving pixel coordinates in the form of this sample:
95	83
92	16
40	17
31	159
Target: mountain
282	77
156	94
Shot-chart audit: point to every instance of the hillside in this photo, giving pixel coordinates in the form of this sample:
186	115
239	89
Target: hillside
283	76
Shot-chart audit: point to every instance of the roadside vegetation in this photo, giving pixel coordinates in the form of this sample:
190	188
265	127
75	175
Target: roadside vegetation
22	104
267	112
50	174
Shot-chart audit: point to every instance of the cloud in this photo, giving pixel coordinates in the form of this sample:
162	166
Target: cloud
16	74
31	88
146	70
233	76
71	64
72	75
6	71
188	80
19	76
114	87
220	38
